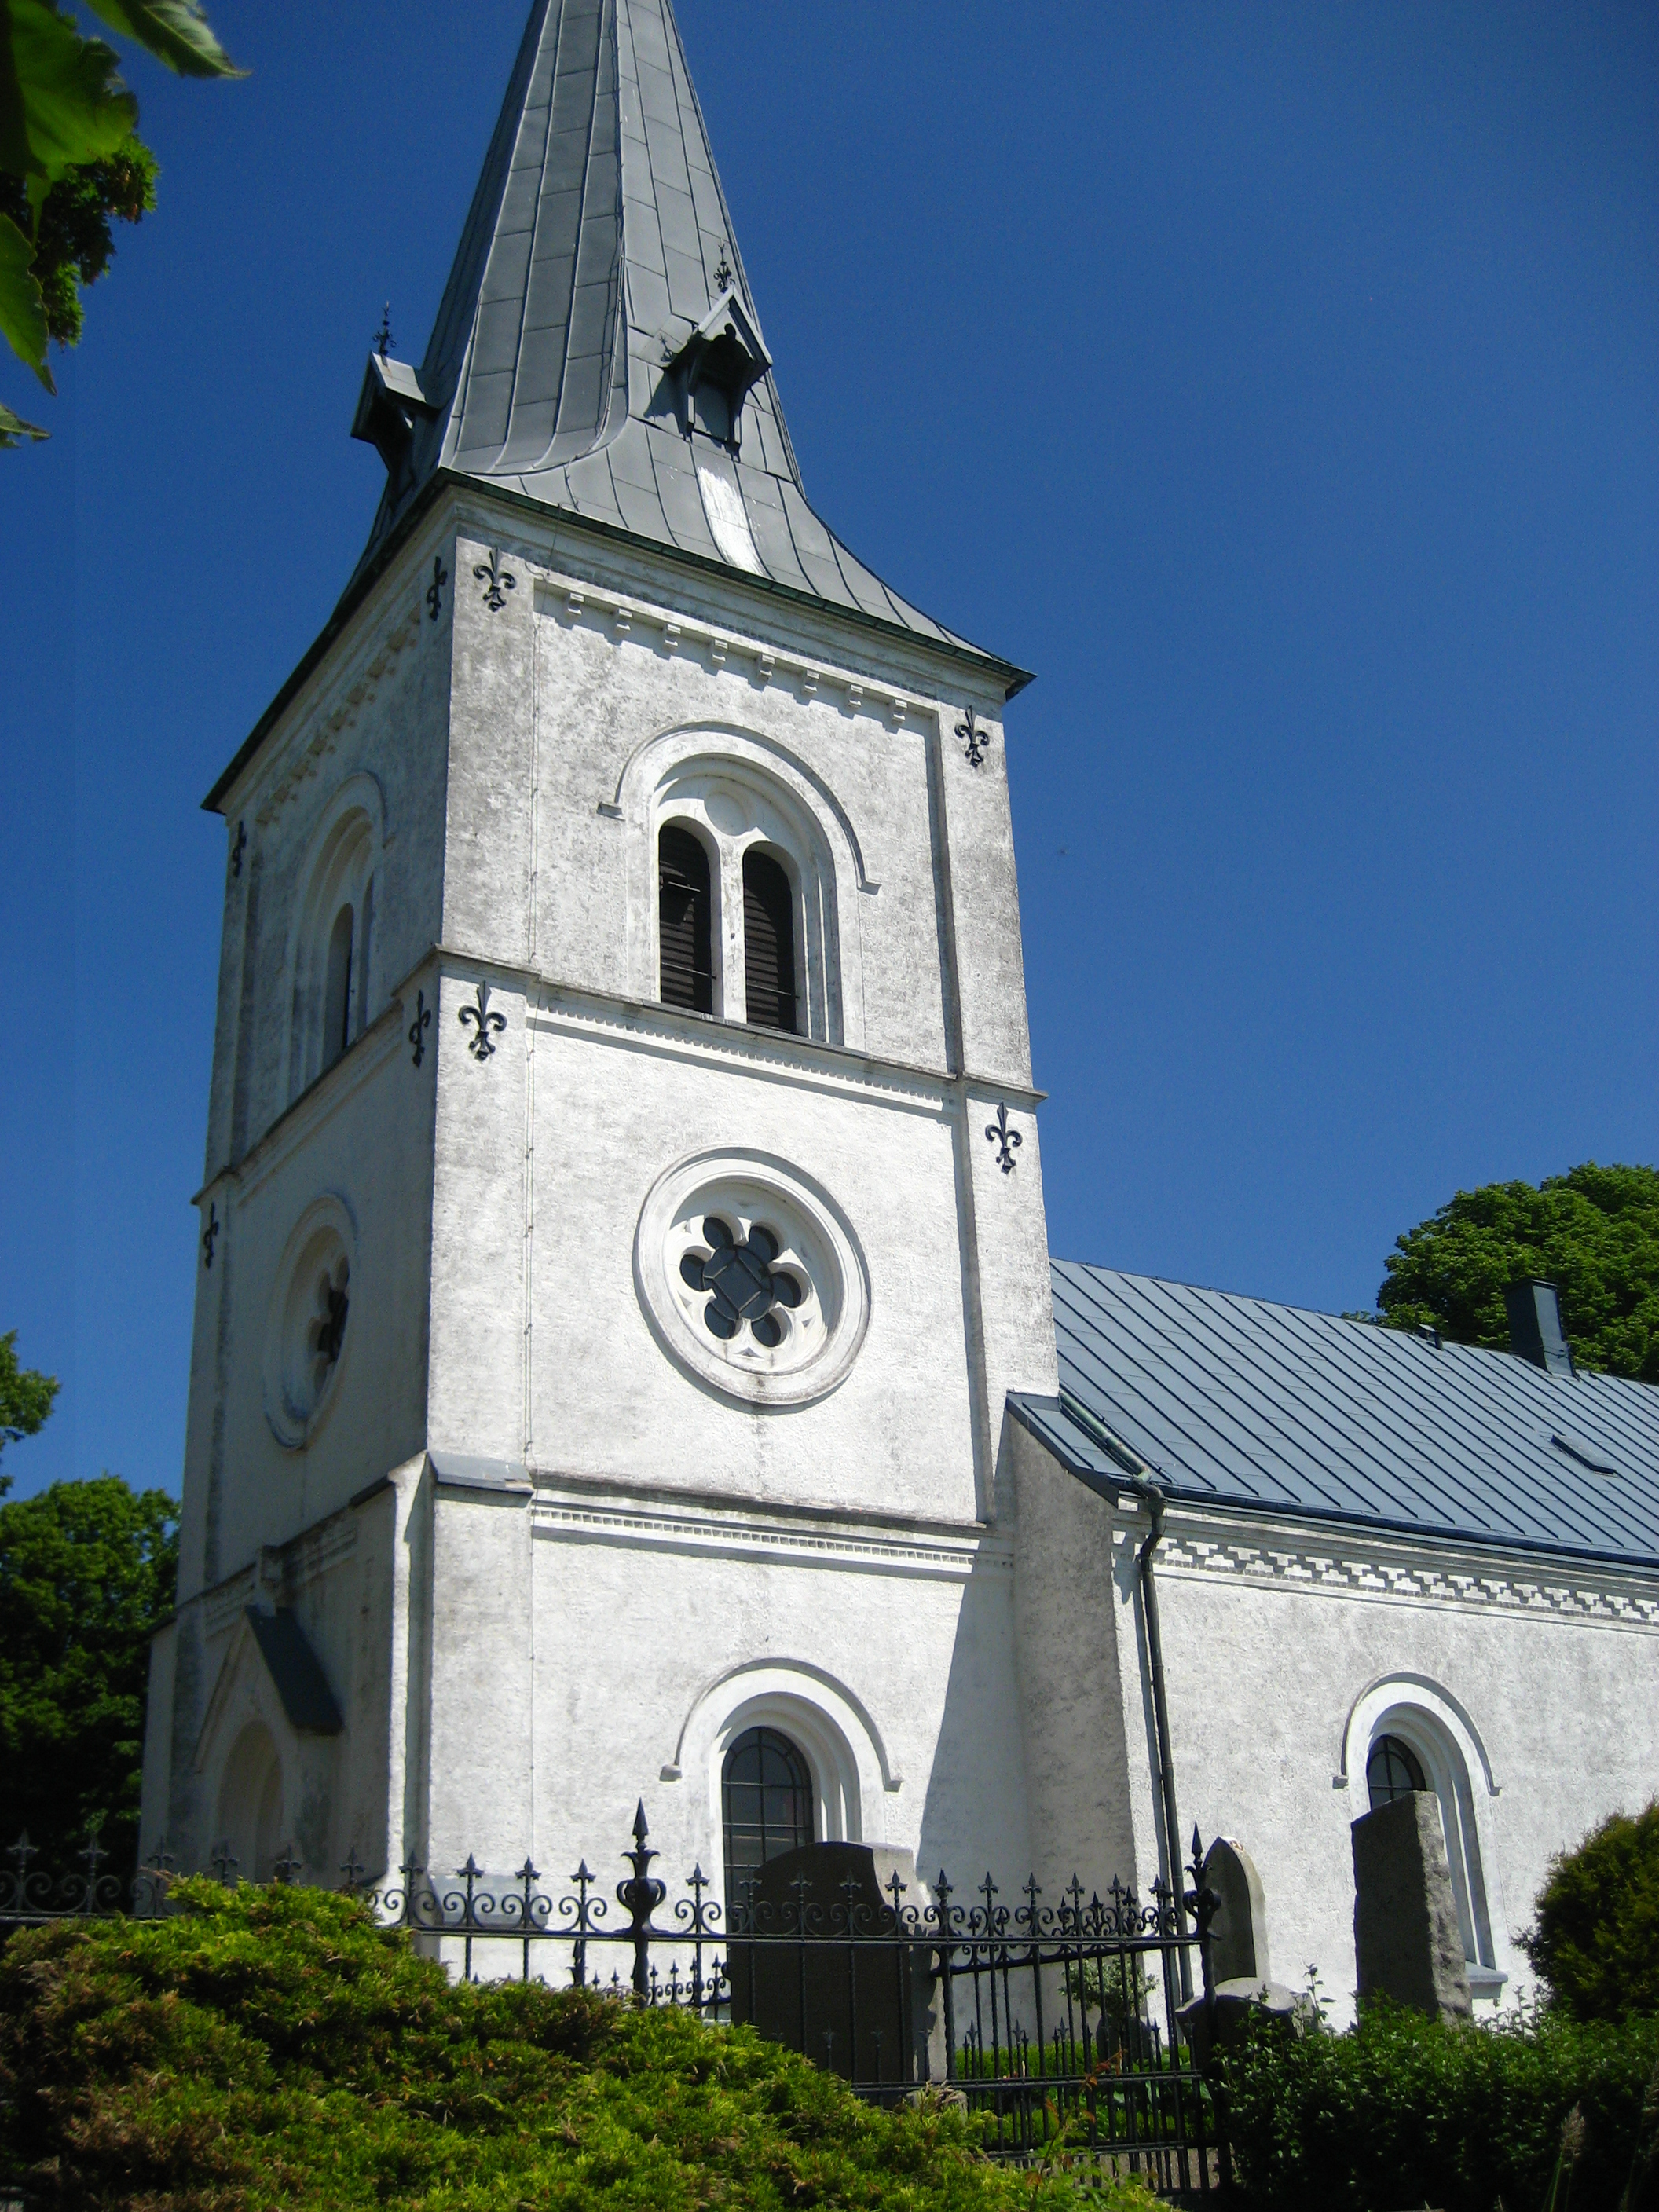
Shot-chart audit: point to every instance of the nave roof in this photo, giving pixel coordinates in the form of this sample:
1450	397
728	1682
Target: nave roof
1240	1403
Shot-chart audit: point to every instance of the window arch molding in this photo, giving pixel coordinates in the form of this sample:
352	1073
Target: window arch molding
334	986
1441	1737
738	791
834	1731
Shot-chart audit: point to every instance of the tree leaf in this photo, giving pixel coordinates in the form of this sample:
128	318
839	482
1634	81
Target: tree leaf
175	31
61	102
14	429
23	312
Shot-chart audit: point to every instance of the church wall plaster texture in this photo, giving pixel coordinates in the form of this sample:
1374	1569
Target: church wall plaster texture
1270	1636
659	1630
1072	1675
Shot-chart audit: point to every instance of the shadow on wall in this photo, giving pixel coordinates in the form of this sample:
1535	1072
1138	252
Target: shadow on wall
974	1818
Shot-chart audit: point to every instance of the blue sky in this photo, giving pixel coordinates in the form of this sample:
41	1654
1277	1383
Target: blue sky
1281	382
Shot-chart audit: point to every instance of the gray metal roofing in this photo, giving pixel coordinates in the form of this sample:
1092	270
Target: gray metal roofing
589	253
1246	1404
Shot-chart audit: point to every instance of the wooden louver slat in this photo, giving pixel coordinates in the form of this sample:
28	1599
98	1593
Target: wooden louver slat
685	971
769	942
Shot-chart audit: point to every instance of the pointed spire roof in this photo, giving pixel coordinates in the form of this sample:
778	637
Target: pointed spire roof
597	348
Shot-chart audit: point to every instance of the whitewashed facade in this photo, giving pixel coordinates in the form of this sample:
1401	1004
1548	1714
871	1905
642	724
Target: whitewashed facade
457	1414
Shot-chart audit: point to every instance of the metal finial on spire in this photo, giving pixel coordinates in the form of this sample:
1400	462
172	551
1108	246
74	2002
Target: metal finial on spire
723	274
383	338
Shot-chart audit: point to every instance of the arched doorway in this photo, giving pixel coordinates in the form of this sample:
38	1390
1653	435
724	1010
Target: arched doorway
250	1804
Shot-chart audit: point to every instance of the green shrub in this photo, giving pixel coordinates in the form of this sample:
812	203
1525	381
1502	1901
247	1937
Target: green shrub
1403	2110
273	2046
1596	1941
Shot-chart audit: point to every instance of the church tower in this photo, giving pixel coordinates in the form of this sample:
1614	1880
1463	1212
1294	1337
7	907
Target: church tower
622	1220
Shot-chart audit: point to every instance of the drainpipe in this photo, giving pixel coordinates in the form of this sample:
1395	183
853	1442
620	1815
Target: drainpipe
1142	1479
1144	1486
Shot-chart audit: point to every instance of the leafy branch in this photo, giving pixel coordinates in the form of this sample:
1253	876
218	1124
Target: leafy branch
69	151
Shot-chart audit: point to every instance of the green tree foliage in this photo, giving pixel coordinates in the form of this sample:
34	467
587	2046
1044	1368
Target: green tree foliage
26	1397
67	126
1595	1941
1403	2110
72	242
276	2046
87	1570
1593	1231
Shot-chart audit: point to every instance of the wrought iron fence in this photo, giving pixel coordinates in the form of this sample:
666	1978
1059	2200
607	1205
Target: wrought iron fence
1055	2026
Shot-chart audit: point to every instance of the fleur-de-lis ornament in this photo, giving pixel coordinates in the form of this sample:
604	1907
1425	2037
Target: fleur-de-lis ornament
483	1020
434	590
421	1022
496	581
976	738
998	1133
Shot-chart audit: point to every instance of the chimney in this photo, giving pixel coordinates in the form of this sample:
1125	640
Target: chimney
1535	1331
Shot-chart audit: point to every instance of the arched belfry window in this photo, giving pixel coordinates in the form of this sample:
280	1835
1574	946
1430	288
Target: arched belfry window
331	949
337	992
766	1805
1393	1770
768	941
686	969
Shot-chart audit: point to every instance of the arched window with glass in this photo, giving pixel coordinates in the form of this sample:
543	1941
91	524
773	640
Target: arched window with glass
1413	1754
1393	1770
766	1807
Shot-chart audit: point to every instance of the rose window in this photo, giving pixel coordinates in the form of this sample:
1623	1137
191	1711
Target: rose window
327	1329
744	1284
306	1336
750	1276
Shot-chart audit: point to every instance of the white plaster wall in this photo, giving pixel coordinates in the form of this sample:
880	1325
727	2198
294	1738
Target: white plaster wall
639	1610
1270	1635
376	706
551	704
1072	1700
611	1112
209	1681
363	1134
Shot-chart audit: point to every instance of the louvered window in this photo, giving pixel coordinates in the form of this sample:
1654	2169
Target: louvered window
687	972
336	988
769	942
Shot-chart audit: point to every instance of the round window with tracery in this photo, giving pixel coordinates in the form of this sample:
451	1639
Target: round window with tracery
746	1287
751	1277
309	1327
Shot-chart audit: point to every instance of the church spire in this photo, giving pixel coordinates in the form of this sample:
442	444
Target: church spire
597	348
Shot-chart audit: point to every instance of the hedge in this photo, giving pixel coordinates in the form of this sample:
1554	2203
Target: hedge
1402	2110
270	2046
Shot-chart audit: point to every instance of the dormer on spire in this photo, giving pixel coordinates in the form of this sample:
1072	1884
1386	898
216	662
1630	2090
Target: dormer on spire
715	368
389	406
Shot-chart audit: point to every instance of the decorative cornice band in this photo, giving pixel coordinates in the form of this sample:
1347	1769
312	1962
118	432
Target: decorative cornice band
1425	1571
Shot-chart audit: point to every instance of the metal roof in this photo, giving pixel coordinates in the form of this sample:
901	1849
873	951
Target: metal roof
1243	1403
598	243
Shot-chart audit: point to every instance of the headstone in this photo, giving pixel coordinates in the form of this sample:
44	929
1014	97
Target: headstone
863	2009
1238	1932
1233	2003
1407	1944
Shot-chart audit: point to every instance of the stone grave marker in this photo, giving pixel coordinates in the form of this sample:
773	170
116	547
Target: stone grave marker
864	2011
1407	1944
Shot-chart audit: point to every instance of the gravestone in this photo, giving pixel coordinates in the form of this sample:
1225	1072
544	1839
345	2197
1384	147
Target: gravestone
1238	1932
1407	1944
863	2009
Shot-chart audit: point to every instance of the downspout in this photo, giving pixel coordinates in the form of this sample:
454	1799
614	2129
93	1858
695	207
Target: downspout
1144	1486
1142	1479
